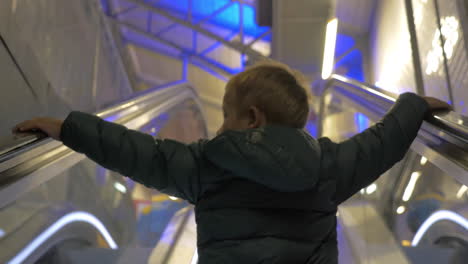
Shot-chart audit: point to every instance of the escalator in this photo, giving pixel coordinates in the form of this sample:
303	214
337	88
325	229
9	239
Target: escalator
55	203
417	212
57	206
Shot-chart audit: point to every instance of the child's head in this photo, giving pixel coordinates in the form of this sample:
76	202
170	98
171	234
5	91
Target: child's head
265	94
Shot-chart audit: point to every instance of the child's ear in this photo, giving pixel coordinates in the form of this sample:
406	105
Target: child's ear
256	117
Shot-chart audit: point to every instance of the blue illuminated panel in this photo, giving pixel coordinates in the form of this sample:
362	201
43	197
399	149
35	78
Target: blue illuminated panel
228	18
361	121
311	127
353	64
343	43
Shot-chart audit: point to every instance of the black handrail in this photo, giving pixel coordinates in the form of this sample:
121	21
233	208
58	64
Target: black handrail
25	167
12	145
443	136
451	122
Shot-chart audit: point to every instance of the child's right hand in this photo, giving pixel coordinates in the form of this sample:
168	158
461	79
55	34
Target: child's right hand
50	126
437	105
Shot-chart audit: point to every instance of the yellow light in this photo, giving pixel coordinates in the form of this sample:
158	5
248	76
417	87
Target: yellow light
173	198
329	50
401	209
146	210
406	243
158	198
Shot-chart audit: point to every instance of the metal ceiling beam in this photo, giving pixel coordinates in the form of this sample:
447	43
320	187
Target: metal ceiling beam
215	13
264	34
234	45
344	54
123	58
171	44
149	35
124	11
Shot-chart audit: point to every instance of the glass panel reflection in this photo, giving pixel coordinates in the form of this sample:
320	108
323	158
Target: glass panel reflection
424	208
133	215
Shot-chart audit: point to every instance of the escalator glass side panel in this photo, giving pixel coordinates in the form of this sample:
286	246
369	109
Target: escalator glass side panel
37	217
134	215
379	101
426	191
185	124
421	205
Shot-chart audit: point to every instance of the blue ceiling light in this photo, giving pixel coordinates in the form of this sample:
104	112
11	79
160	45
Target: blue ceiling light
228	18
353	64
343	43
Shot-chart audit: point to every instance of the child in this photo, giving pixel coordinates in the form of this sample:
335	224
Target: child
264	190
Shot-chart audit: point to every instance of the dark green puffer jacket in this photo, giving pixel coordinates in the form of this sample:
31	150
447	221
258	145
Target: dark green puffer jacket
265	195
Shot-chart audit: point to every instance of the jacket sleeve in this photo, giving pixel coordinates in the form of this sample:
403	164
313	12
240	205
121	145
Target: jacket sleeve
360	160
166	165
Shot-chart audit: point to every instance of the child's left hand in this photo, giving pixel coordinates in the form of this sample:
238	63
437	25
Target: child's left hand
50	126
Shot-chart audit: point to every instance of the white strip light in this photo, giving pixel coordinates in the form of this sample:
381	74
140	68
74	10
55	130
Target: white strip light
411	184
120	187
329	51
461	191
195	257
436	217
423	160
401	209
78	216
371	188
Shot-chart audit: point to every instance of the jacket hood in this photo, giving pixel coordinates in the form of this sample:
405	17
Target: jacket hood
281	158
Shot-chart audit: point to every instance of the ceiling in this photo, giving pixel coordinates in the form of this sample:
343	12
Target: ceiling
355	16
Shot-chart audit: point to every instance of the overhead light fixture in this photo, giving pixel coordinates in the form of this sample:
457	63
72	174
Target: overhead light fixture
401	209
329	50
411	184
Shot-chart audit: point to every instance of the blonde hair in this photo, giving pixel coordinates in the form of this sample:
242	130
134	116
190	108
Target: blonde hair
277	90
